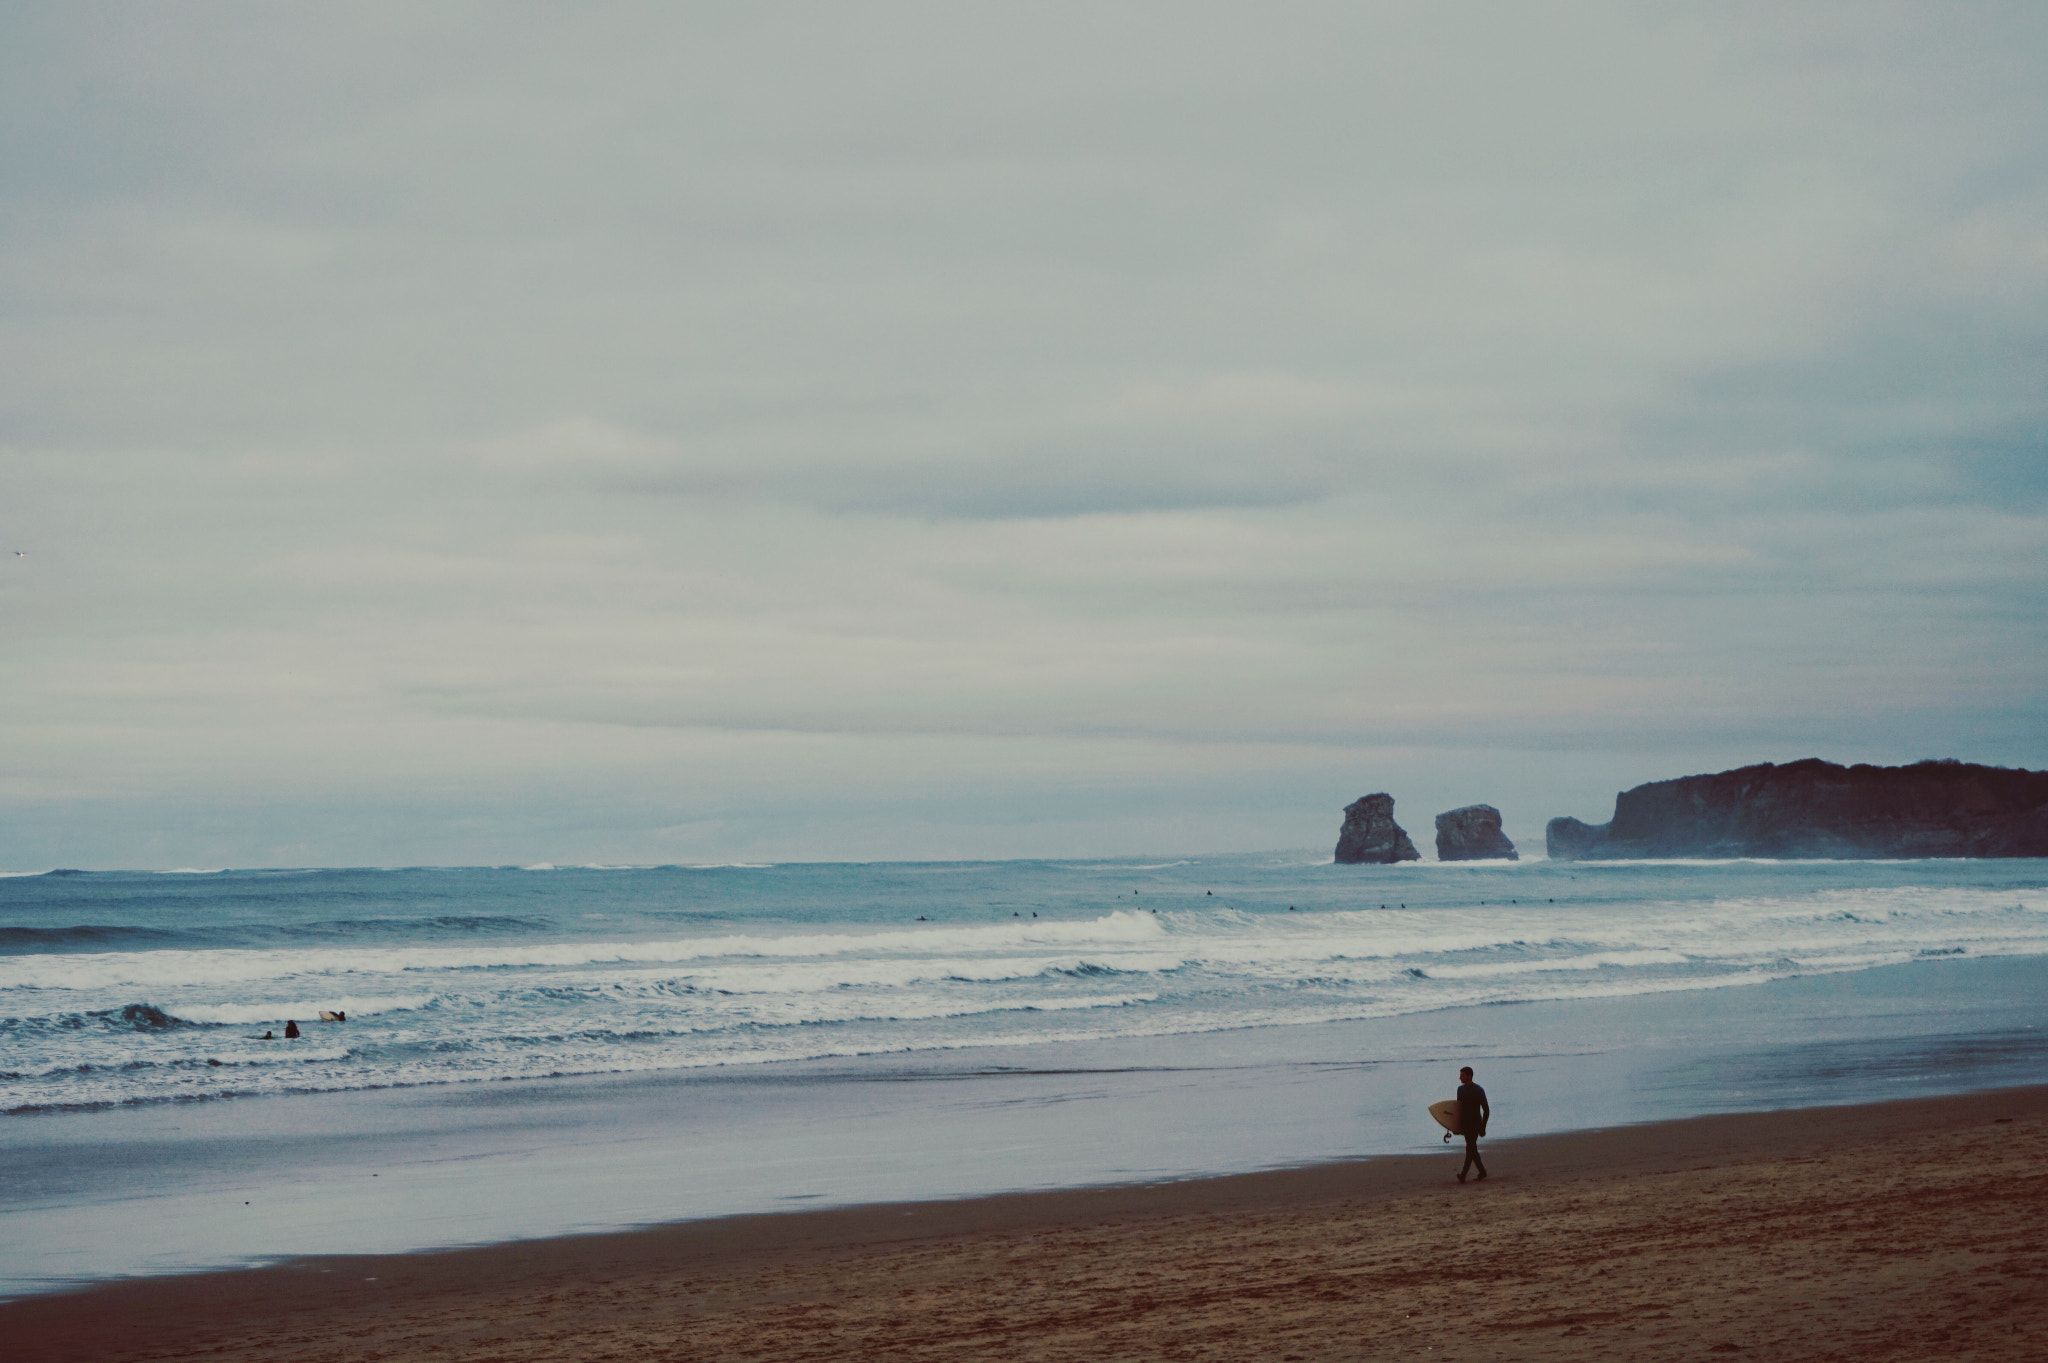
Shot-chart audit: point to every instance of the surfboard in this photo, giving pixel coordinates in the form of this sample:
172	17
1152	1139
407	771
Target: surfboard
1446	1114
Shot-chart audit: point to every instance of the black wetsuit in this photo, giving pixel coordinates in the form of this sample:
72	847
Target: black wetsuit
1473	1113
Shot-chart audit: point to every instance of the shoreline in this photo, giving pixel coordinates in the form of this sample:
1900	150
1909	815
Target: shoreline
143	1194
411	1296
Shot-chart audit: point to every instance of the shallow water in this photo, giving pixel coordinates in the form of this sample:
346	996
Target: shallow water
135	988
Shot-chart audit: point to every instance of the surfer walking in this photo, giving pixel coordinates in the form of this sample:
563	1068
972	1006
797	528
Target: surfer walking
1473	1113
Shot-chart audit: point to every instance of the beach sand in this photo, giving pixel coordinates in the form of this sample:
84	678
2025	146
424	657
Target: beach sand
1907	1230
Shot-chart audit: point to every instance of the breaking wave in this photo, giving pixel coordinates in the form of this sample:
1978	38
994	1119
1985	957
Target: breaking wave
121	994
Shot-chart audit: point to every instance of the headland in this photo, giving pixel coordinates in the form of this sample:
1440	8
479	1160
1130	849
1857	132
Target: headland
1816	809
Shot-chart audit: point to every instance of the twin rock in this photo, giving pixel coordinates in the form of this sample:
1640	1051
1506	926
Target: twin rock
1370	834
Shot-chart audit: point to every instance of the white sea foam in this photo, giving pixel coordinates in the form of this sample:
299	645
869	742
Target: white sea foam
533	997
357	1006
1120	940
99	969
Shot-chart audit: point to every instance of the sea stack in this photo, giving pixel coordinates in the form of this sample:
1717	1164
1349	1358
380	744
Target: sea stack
1370	835
1472	834
1818	809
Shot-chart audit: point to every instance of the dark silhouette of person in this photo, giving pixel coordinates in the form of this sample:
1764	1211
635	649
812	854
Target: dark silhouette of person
291	1033
1473	1114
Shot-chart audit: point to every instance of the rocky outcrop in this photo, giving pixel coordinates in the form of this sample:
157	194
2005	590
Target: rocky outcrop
1818	809
1569	839
1472	834
1371	835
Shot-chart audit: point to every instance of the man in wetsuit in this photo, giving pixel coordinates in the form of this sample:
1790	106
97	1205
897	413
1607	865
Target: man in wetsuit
1472	1117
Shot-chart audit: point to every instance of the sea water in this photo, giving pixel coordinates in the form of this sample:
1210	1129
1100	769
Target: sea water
533	1050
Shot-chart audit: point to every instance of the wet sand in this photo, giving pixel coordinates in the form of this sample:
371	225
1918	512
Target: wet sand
1902	1230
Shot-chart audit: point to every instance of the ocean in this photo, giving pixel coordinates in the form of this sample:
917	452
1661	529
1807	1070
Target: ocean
555	1048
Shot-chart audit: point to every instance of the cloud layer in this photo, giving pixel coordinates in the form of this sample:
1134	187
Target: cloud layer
455	433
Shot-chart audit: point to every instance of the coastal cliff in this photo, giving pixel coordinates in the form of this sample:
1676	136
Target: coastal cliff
1370	835
1819	809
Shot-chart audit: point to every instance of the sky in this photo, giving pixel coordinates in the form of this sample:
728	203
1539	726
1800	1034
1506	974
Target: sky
445	433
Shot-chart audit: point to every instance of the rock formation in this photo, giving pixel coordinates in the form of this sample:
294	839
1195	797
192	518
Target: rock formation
1472	834
1818	809
1371	835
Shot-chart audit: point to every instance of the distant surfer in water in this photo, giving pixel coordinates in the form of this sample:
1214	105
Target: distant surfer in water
1473	1113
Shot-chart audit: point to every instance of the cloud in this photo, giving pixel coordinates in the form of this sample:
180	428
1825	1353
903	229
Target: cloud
950	413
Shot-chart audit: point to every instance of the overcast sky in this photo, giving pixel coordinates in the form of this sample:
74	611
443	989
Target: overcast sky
457	433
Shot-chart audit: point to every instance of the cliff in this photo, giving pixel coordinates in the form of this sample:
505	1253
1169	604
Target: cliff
1818	809
1472	834
1370	834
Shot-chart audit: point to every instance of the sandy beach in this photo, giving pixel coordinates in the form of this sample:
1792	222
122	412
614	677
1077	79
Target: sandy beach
1899	1230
